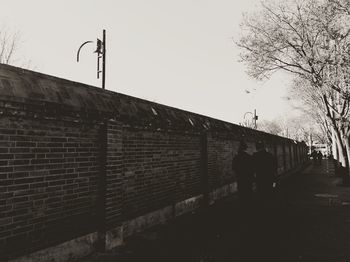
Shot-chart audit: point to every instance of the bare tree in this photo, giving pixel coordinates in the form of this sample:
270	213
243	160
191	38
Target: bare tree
272	127
10	43
311	104
298	127
311	40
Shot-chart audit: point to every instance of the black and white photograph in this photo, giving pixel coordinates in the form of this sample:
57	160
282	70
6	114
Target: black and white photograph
175	131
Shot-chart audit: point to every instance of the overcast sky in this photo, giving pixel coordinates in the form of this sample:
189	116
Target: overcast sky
179	53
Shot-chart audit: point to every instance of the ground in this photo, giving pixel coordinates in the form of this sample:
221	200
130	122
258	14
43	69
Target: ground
309	221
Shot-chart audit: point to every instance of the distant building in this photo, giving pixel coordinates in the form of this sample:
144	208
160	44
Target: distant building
323	148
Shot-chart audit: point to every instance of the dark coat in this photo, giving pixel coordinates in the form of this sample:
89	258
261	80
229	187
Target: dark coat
265	168
242	165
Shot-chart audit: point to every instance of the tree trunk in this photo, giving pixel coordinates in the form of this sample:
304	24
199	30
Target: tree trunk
340	147
334	146
341	152
347	146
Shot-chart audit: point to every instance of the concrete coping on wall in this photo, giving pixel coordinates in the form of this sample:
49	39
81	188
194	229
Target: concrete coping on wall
32	91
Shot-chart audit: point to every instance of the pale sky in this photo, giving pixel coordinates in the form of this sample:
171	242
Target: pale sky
178	53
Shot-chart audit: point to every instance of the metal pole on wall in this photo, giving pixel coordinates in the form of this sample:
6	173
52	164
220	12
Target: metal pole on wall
101	53
255	118
104	60
310	143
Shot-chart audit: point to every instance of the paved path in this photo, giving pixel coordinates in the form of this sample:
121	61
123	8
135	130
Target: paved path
310	222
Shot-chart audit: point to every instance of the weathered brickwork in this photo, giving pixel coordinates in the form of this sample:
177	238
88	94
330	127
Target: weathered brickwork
160	168
288	156
114	174
80	162
292	155
220	155
280	159
49	172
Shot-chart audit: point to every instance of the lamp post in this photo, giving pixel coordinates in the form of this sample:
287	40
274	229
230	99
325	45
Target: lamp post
254	118
101	54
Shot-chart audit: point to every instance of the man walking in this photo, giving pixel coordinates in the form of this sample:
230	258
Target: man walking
265	166
242	165
265	171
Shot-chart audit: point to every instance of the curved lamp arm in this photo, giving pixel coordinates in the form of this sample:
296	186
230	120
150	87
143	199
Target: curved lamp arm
81	47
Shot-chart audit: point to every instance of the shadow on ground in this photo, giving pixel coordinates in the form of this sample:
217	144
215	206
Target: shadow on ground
309	221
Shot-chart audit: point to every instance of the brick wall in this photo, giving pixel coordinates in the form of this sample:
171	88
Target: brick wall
49	171
64	178
221	151
160	168
96	160
114	174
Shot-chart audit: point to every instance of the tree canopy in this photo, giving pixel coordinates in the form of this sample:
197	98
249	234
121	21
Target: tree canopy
309	39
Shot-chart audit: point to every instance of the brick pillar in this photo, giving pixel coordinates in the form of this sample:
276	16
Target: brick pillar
284	157
276	157
110	186
114	183
101	203
291	156
297	153
204	168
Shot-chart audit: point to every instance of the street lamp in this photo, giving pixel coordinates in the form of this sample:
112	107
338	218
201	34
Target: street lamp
101	54
254	118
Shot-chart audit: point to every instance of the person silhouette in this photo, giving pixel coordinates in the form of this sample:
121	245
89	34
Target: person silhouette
314	156
242	165
265	172
265	168
319	157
